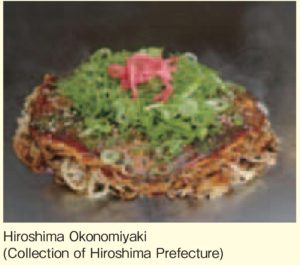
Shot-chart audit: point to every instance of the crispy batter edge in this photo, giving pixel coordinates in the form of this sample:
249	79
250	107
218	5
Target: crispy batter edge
207	177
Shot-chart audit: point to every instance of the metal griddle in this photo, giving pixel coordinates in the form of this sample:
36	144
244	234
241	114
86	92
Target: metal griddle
250	43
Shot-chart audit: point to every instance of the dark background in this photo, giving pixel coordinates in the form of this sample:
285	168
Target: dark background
250	43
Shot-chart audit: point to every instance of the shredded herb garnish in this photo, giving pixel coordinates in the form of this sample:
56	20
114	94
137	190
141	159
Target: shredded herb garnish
191	115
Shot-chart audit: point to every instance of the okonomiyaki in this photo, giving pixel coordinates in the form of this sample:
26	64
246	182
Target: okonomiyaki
141	123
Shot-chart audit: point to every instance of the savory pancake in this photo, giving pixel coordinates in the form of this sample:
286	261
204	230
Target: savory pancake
138	124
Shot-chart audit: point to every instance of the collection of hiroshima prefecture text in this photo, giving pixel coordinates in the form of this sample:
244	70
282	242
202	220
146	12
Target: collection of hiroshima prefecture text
95	246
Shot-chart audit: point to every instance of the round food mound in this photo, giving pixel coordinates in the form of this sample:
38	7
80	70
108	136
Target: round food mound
141	124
